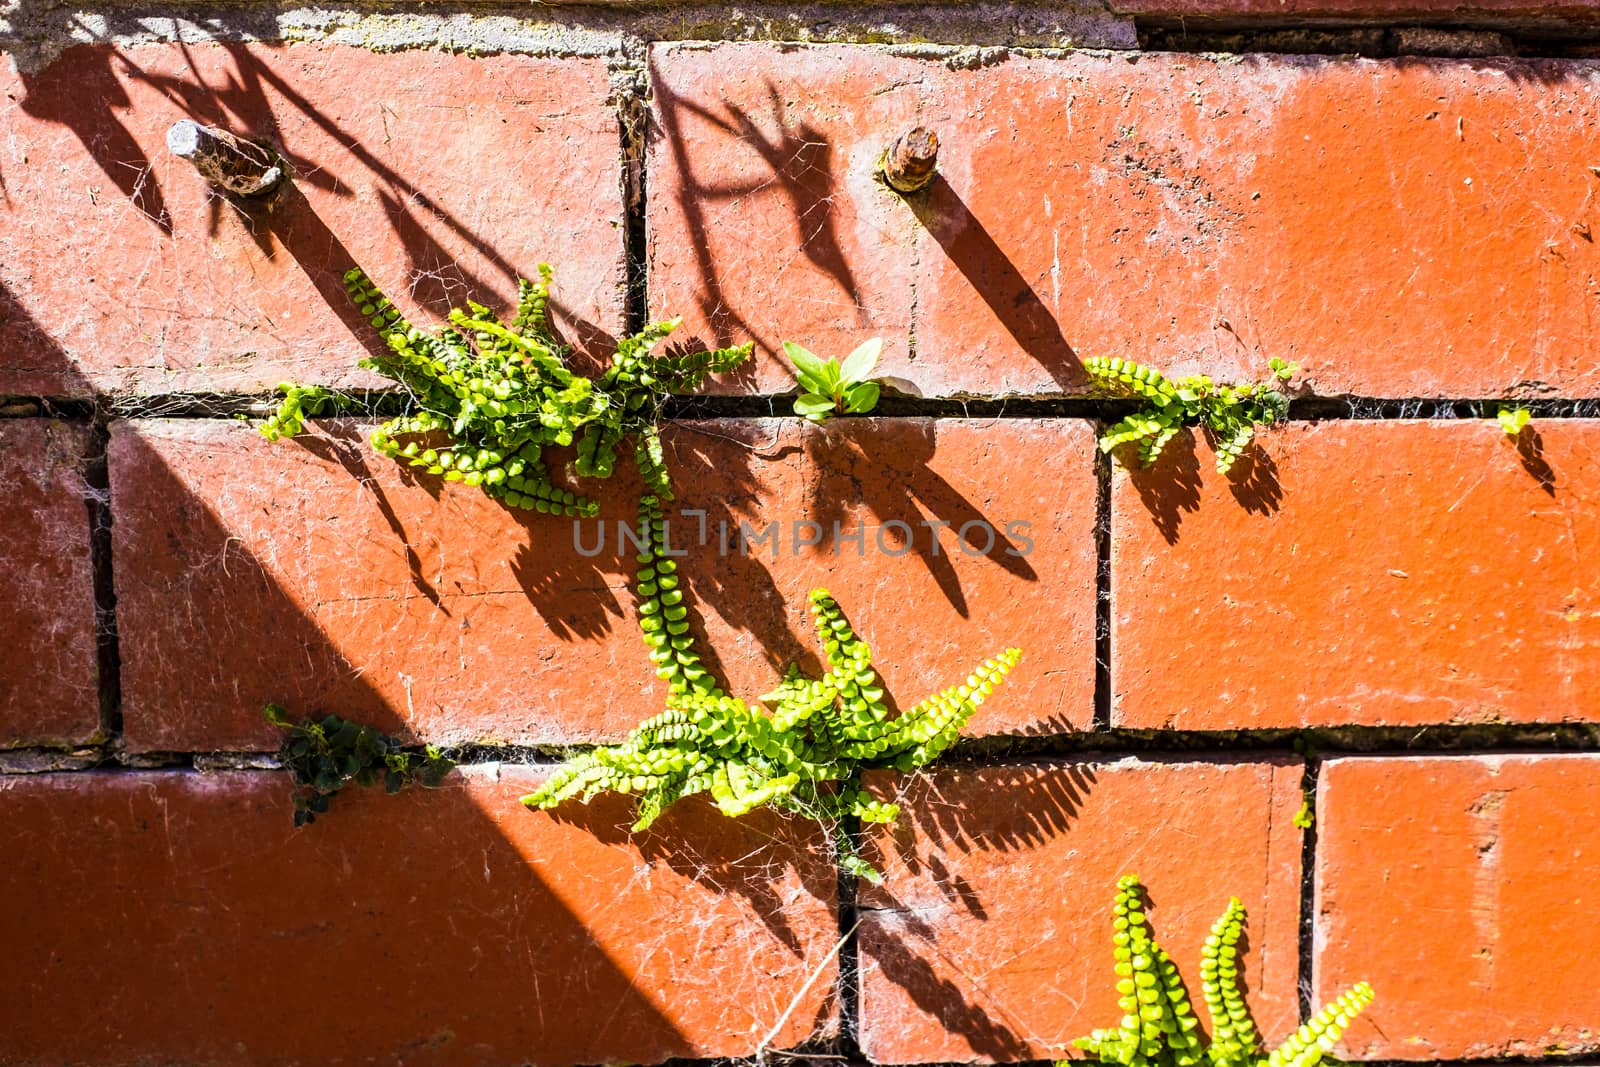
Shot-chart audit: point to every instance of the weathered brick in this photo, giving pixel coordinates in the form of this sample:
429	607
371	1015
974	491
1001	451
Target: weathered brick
1357	216
1459	887
49	689
122	271
1379	573
990	938
176	917
322	576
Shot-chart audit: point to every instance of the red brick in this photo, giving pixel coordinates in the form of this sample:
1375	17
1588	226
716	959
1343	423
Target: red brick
176	917
991	937
1379	573
121	270
49	688
1460	886
321	576
1358	216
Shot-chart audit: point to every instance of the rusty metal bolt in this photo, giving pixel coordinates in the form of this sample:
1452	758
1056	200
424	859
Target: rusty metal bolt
236	165
911	160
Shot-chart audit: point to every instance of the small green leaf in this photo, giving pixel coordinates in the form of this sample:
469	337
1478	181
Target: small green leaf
1305	817
1514	420
861	397
858	364
813	406
809	367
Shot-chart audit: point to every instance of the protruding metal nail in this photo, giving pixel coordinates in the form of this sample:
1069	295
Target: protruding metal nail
233	163
911	160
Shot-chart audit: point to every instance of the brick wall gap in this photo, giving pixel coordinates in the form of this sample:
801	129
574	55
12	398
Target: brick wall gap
35	760
589	30
1398	409
1103	590
1397	742
935	31
633	117
1308	895
386	404
847	988
1440	38
108	657
34	407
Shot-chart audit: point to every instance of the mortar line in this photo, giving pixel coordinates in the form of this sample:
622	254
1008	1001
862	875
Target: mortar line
590	30
108	654
633	117
1104	590
1115	744
384	404
848	987
1308	890
1508	36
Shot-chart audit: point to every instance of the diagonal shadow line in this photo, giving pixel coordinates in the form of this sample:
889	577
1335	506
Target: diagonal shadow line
906	447
883	942
992	275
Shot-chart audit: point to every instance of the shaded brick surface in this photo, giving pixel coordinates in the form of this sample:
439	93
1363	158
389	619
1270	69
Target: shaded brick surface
991	937
1372	573
122	271
187	920
1460	888
1411	227
321	576
49	691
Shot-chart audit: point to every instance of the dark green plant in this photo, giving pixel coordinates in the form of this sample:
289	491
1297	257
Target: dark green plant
829	387
806	756
326	756
495	396
1231	414
1159	1027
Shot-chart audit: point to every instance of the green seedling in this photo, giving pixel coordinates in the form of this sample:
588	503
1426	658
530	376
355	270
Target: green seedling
829	387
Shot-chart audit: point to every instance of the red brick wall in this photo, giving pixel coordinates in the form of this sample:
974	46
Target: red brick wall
1387	612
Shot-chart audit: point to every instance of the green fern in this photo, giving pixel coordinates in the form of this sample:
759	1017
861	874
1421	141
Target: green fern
805	756
1232	414
502	394
326	756
299	403
1159	1027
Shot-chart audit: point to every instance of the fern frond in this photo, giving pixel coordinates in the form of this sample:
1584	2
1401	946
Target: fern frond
487	393
1135	378
685	371
663	616
1232	413
1316	1038
299	403
1234	1040
1159	1028
533	305
806	755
